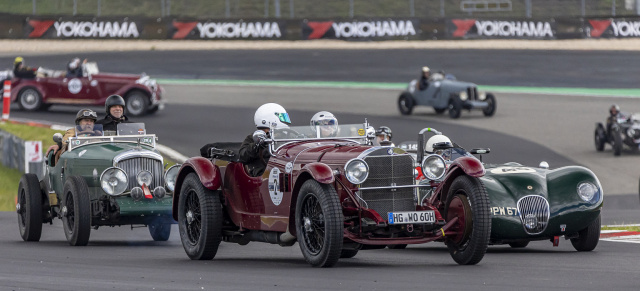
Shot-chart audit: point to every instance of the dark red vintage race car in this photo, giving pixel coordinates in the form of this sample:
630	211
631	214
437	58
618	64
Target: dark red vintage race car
142	94
334	196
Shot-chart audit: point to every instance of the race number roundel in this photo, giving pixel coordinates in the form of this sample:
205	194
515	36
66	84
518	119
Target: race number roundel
274	186
512	170
74	86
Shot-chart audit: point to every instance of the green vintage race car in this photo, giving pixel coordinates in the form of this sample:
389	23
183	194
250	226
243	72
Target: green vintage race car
535	203
101	180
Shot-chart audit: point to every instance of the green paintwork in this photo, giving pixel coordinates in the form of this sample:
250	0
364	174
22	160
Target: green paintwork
505	186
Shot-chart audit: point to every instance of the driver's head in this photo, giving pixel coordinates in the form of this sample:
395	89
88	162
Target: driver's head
75	62
614	110
326	122
383	133
86	118
271	115
18	62
114	106
436	139
426	72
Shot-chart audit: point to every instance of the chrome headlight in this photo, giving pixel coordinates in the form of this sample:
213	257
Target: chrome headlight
587	191
144	177
170	177
356	171
433	167
482	96
114	181
463	95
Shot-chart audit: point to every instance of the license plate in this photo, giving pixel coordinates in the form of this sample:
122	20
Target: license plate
412	217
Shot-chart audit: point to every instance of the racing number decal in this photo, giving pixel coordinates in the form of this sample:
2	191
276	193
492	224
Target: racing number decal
512	170
74	86
274	186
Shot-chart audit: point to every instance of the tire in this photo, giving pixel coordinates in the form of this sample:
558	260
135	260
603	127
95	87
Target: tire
455	106
440	110
617	143
77	219
137	103
319	224
30	211
468	200
519	244
405	103
160	231
588	238
30	99
397	247
599	137
153	110
199	219
347	254
493	104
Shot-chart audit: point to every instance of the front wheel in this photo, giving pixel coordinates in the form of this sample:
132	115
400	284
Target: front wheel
440	110
455	106
617	143
30	99
137	103
347	254
588	238
519	244
491	109
29	208
160	231
319	222
405	103
469	202
76	213
600	137
199	219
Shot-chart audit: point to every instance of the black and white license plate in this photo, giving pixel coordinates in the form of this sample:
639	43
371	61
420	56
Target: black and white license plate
412	217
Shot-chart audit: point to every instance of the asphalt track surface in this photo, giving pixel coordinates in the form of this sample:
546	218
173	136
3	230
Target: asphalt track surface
119	258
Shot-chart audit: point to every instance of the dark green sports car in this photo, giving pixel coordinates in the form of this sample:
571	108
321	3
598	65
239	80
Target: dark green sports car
100	181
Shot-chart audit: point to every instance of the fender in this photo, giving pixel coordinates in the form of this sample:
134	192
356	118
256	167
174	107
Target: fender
124	90
471	166
21	84
320	172
208	173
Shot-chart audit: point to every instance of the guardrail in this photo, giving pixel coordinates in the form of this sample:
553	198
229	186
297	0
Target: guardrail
13	154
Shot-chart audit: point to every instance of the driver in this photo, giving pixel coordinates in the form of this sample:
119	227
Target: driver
114	106
254	153
383	136
326	122
74	68
423	84
614	111
22	71
85	120
438	139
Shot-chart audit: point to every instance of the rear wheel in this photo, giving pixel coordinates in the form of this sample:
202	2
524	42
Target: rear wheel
160	231
600	137
405	103
469	202
199	219
29	208
76	213
30	99
440	110
455	106
617	143
137	103
519	244
319	224
491	109
588	238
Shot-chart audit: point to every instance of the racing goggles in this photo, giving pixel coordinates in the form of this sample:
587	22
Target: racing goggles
325	122
89	113
284	117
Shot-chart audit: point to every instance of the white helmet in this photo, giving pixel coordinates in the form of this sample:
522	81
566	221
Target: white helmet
271	114
74	63
325	120
434	140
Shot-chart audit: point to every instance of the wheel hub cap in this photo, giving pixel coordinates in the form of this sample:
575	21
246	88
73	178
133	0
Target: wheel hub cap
307	224
189	217
64	211
18	208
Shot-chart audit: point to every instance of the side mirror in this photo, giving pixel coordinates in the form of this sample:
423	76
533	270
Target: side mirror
57	138
544	165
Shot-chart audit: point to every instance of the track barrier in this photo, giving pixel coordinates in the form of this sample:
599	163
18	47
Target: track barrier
6	100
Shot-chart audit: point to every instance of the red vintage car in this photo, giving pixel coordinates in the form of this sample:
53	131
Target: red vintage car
142	94
334	196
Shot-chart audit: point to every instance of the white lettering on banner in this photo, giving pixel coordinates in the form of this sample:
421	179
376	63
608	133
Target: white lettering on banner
373	29
97	29
514	28
239	30
626	28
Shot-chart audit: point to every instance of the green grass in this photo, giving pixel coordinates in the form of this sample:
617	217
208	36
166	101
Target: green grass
9	180
627	228
26	132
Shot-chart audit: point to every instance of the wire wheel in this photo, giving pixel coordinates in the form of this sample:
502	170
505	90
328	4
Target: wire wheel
193	217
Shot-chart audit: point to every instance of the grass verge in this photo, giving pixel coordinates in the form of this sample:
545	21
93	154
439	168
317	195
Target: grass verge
627	228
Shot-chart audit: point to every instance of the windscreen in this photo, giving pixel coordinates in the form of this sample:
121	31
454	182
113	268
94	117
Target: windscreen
319	132
131	129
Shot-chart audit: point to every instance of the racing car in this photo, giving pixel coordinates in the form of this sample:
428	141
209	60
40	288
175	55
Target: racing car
333	195
446	93
142	94
101	180
624	129
535	203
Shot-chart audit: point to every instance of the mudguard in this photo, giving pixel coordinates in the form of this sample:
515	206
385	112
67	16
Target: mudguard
208	173
19	85
471	166
320	172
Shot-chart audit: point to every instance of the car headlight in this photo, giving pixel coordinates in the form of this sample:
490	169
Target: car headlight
170	177
433	167
356	171
114	181
587	191
463	95
144	177
482	96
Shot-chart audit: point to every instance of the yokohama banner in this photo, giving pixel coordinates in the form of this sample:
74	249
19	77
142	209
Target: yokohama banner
620	28
480	28
61	28
372	29
227	30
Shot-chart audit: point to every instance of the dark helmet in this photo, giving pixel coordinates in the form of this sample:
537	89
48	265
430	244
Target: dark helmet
616	107
86	114
114	100
384	130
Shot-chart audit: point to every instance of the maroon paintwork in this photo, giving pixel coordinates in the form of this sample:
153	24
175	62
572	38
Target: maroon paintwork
95	89
249	205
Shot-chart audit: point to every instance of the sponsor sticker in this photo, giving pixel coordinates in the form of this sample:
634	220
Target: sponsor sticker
361	131
512	170
359	29
288	168
74	86
274	186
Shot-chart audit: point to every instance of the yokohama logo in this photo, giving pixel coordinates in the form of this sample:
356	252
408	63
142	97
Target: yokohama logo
502	28
97	29
361	29
620	28
228	29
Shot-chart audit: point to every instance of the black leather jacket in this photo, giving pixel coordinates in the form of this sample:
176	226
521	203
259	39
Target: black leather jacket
111	123
254	157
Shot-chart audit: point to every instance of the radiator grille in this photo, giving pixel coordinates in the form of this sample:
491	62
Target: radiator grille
133	166
385	171
534	213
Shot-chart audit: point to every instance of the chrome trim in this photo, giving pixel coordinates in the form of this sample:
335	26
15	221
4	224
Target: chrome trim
290	141
366	152
136	154
533	205
126	176
393	187
112	139
165	176
345	170
443	161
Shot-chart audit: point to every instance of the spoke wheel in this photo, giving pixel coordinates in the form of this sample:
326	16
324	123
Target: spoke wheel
199	219
319	224
29	208
76	213
405	103
30	99
137	103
